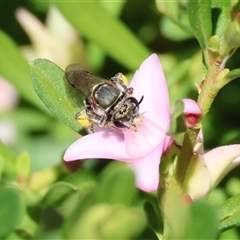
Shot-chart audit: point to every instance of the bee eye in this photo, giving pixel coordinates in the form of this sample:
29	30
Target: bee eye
133	100
118	124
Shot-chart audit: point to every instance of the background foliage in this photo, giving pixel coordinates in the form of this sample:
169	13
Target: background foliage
40	196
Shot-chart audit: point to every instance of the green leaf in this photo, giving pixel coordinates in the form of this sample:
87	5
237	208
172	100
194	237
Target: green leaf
173	31
56	93
101	27
1	166
199	14
23	166
177	120
105	221
177	13
14	67
220	16
203	222
233	74
117	185
57	193
214	45
74	207
9	159
198	220
231	39
227	26
115	8
230	213
7	153
12	210
81	179
153	217
49	224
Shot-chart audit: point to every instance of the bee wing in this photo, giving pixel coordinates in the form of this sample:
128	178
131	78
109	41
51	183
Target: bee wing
81	79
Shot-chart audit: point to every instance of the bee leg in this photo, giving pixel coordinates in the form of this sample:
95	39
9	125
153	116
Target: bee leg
103	120
120	81
83	120
129	91
121	77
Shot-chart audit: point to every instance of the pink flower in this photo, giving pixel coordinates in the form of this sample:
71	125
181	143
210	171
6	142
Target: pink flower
141	150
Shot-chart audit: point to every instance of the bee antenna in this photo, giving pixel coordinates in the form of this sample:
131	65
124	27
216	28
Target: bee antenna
139	102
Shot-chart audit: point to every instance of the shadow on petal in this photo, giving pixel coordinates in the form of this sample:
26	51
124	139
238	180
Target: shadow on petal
142	141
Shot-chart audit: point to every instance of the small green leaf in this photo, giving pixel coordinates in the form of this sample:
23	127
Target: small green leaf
230	213
214	44
105	221
7	153
115	8
199	14
1	166
231	38
197	220
49	224
57	193
203	222
173	31
220	16
235	10
233	74
117	185
153	217
56	93
12	210
231	30
177	13
9	159
74	207
177	120
14	67
23	166
101	27
121	222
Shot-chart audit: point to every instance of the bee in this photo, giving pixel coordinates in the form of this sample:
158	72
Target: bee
107	103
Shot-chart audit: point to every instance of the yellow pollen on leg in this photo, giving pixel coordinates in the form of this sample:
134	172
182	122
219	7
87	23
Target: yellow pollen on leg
122	77
83	120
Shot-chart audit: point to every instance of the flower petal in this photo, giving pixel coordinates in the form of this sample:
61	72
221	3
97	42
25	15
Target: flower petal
199	145
191	107
142	141
220	160
232	165
98	145
146	170
167	142
149	81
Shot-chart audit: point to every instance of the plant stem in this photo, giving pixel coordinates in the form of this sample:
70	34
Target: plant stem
210	86
186	154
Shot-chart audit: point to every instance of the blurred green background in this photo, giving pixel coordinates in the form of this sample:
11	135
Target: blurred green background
107	37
